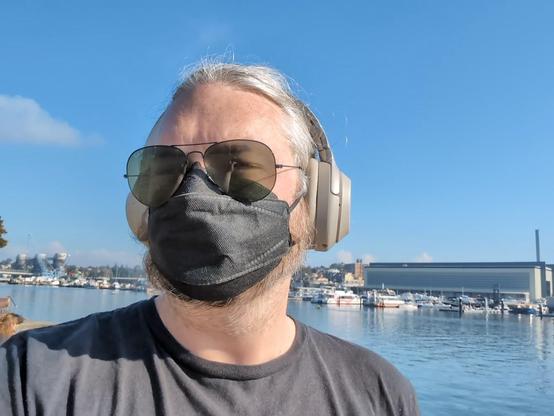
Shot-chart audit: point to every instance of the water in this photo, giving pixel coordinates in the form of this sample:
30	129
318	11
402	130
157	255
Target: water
60	304
495	365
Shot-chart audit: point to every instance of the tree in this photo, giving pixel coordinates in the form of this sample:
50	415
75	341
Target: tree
3	231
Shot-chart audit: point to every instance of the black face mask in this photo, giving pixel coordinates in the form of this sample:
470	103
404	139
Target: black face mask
213	247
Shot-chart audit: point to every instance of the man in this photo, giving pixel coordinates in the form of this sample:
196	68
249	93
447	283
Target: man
224	197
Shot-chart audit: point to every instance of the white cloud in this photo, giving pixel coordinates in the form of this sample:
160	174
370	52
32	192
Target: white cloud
424	258
23	120
368	258
11	251
55	247
102	256
344	256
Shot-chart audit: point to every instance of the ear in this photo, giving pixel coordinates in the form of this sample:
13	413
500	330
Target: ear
137	218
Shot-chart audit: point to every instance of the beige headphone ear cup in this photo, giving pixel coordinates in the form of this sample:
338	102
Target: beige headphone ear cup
137	218
329	204
345	197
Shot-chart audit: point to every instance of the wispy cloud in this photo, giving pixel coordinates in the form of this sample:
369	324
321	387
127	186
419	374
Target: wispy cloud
23	120
344	256
11	251
102	256
368	258
424	258
55	247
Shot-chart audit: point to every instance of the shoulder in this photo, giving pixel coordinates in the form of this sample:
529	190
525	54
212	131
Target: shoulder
51	366
373	373
345	351
84	336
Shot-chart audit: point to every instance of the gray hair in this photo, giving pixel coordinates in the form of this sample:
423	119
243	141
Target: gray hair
267	82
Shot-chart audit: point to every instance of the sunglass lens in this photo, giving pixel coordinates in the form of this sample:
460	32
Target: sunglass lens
154	173
243	169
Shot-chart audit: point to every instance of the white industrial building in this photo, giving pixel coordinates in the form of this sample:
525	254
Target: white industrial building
525	280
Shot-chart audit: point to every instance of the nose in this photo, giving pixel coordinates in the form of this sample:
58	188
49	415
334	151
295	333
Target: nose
196	159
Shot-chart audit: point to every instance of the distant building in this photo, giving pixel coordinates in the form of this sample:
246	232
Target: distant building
359	270
351	280
40	265
320	280
525	280
333	275
20	262
59	260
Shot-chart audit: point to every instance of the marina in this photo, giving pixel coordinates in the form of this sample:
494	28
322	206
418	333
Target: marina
120	283
387	298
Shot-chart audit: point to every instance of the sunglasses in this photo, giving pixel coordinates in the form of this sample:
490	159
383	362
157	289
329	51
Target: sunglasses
243	169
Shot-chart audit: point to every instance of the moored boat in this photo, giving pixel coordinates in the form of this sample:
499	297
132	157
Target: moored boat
343	298
523	309
384	299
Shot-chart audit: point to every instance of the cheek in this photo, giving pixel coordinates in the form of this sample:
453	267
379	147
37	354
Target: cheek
287	185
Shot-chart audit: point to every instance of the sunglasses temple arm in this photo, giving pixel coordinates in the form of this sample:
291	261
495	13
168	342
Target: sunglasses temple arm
280	166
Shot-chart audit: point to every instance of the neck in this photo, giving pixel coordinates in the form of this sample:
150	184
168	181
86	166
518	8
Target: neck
253	331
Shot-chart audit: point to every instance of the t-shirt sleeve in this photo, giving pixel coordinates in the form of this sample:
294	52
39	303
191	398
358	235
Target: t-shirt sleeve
367	379
395	392
12	365
407	400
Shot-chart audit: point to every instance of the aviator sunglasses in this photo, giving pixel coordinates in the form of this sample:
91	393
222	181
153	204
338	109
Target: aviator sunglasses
243	169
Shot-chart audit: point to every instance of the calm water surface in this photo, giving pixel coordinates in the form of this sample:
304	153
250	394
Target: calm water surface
495	365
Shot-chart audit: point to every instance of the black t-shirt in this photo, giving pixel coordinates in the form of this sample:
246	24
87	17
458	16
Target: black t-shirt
125	362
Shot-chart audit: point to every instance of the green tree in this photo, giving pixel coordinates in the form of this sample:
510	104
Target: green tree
3	242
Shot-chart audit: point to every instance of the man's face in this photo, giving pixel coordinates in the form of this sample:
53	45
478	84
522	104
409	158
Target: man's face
216	113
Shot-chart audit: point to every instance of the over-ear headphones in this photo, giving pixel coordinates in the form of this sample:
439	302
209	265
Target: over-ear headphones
328	195
328	191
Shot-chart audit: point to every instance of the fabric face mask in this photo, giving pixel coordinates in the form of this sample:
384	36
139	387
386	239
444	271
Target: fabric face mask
213	247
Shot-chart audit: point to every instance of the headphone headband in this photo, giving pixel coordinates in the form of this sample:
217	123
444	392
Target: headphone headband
318	135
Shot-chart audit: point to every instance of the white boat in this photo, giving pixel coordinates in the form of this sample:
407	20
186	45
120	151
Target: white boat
409	306
104	284
473	310
322	296
384	299
295	295
426	305
319	298
343	298
431	305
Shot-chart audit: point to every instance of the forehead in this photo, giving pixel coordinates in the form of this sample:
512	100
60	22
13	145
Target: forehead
217	112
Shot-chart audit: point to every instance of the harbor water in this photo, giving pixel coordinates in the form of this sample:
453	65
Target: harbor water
474	364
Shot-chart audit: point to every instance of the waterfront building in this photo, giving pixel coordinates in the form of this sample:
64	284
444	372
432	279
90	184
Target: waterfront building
521	280
20	262
40	265
58	261
351	280
359	270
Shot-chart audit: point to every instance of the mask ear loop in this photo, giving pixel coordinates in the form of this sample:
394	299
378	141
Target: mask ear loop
296	201
291	208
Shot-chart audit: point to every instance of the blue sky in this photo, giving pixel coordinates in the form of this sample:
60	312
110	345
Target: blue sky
442	114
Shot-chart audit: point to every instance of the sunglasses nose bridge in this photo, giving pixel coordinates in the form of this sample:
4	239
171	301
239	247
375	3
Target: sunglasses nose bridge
195	157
